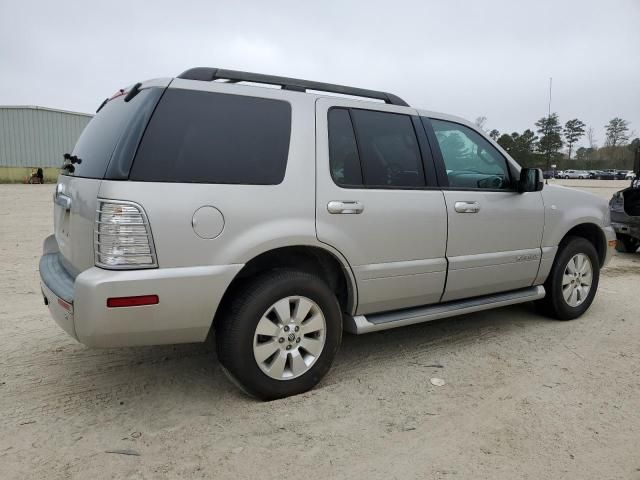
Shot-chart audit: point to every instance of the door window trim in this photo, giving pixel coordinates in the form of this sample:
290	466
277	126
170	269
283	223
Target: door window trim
426	155
441	171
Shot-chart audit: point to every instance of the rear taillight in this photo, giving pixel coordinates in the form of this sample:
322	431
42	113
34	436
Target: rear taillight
123	237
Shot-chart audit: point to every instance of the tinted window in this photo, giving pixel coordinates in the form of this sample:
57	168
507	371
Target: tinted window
343	152
207	137
388	149
470	160
104	132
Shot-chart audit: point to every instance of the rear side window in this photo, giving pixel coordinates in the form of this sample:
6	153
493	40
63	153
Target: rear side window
384	143
206	137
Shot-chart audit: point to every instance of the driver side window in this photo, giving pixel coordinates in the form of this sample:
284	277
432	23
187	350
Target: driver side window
470	160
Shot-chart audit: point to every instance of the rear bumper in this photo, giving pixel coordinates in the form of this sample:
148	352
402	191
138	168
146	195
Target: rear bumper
57	289
188	300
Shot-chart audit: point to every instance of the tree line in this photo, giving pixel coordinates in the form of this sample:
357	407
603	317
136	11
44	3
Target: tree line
544	146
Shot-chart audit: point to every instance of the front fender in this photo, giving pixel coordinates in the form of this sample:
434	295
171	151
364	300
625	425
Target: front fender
566	208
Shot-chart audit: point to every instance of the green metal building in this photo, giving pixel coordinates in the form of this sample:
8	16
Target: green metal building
36	137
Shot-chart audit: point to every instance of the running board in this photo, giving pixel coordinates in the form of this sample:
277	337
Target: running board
399	318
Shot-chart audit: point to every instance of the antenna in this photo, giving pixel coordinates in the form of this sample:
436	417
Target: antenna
548	117
550	85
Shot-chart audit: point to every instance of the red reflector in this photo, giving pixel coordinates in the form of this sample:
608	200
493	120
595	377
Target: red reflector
63	304
132	301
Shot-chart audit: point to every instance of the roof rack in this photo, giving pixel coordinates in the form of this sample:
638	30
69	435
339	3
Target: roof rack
207	74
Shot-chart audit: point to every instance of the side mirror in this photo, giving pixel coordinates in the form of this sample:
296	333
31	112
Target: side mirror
531	180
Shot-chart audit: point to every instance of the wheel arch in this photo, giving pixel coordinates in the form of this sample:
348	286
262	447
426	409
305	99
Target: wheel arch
329	265
591	232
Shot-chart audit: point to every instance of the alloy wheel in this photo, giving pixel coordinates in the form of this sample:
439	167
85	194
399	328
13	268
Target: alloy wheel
577	279
289	337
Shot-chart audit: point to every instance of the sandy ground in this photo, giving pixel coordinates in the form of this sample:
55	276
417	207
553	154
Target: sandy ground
525	397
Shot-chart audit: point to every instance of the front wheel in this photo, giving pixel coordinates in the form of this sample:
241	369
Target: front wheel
573	280
278	337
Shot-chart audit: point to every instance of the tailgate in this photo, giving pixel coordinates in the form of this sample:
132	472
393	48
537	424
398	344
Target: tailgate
74	219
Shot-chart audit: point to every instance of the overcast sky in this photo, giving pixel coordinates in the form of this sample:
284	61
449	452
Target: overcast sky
468	58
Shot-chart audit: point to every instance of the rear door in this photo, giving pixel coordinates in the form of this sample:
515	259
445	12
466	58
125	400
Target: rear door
378	203
495	233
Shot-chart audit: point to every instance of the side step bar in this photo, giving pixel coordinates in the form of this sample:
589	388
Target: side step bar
399	318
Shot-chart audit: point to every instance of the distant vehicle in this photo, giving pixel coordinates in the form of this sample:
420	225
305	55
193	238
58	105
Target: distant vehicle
575	174
549	174
606	174
613	174
630	175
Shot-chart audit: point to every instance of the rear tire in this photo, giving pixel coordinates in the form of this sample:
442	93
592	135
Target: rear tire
278	337
573	280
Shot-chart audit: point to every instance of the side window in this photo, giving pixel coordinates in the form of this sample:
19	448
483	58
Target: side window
206	137
470	160
343	151
388	149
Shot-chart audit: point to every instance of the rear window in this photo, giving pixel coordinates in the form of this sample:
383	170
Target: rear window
382	150
206	137
104	133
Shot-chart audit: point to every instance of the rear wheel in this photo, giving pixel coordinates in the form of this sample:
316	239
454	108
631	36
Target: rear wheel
279	336
573	280
627	244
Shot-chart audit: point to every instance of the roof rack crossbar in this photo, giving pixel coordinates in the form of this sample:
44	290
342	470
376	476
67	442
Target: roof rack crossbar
233	76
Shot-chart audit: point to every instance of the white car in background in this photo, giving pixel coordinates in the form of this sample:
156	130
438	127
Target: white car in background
575	174
630	175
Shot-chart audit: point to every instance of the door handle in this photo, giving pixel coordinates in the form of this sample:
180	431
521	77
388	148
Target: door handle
467	207
345	207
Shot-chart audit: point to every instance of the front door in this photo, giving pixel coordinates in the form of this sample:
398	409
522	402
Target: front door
495	233
378	204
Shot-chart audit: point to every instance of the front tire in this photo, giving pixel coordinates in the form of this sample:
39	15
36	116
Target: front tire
573	280
278	337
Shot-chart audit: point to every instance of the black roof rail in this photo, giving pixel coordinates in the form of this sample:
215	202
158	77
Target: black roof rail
208	74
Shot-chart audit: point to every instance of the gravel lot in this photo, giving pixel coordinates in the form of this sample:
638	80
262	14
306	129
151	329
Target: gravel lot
525	397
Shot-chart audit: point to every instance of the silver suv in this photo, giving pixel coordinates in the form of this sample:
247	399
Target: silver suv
575	174
279	217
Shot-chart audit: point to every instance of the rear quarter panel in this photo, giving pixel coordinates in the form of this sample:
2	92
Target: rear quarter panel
257	218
